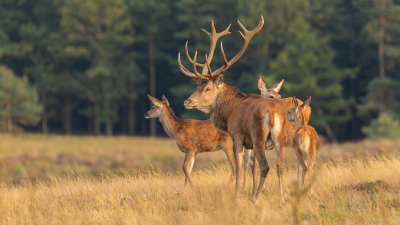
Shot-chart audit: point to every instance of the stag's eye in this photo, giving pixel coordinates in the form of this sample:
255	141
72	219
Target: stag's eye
208	89
271	97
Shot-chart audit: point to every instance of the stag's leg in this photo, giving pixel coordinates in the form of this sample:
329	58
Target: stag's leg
238	149
187	166
228	149
247	156
264	167
280	151
254	170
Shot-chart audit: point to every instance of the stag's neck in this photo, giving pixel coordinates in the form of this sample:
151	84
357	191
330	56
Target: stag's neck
227	101
299	120
169	121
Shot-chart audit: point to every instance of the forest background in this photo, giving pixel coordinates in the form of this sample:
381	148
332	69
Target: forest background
85	66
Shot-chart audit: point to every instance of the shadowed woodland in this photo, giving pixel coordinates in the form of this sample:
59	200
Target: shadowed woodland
85	66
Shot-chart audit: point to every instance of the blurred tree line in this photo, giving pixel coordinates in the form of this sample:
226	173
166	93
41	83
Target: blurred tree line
85	66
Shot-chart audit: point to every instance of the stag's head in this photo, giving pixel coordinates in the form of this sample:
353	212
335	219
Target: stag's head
298	111
272	92
157	108
209	83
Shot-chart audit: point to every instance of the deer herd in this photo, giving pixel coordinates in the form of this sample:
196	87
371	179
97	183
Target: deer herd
239	123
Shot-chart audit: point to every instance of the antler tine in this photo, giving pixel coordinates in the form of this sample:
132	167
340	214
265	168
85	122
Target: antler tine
188	56
213	42
223	54
183	69
195	70
209	68
246	39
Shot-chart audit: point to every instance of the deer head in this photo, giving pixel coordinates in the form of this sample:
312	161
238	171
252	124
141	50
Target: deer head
270	93
297	112
209	83
157	108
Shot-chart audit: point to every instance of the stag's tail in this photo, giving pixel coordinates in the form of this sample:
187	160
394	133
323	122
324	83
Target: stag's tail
320	142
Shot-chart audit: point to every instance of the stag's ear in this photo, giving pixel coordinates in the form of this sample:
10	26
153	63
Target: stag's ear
294	102
165	100
278	86
306	103
219	79
196	80
154	101
261	84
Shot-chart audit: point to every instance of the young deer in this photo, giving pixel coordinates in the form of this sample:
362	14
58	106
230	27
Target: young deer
305	139
290	128
252	121
191	136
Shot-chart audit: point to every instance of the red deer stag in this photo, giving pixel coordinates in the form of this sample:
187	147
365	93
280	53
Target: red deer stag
305	139
252	121
191	136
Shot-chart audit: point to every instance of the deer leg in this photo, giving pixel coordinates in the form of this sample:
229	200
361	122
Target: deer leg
254	170
264	167
280	151
231	158
310	167
247	153
187	166
303	167
238	149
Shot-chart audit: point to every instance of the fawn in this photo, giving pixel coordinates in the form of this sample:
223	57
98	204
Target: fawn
191	136
305	139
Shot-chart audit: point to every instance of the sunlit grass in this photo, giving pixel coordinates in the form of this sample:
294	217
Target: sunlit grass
125	180
149	197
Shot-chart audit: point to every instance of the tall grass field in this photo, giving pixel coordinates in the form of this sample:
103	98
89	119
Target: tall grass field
124	180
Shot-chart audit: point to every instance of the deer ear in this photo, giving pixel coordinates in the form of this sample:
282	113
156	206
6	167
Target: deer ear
196	80
277	87
165	100
219	79
294	102
154	101
261	84
306	103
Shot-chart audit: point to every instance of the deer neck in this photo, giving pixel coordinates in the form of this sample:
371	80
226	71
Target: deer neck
169	121
299	120
227	101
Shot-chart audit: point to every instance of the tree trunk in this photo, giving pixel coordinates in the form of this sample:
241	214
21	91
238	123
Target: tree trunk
67	116
327	128
144	110
152	81
45	127
132	117
382	21
9	120
96	118
109	128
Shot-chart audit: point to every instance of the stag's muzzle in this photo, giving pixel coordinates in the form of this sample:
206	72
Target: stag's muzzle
189	104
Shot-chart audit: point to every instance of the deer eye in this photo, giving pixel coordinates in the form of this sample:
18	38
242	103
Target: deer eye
271	97
208	89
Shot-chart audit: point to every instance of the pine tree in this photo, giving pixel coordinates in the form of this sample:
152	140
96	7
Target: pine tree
18	101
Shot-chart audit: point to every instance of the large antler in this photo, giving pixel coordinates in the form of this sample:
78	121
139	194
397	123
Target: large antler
213	42
246	39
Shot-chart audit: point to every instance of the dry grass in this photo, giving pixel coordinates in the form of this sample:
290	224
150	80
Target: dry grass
156	197
146	196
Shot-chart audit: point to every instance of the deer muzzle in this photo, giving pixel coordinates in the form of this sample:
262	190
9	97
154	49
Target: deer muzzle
189	104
